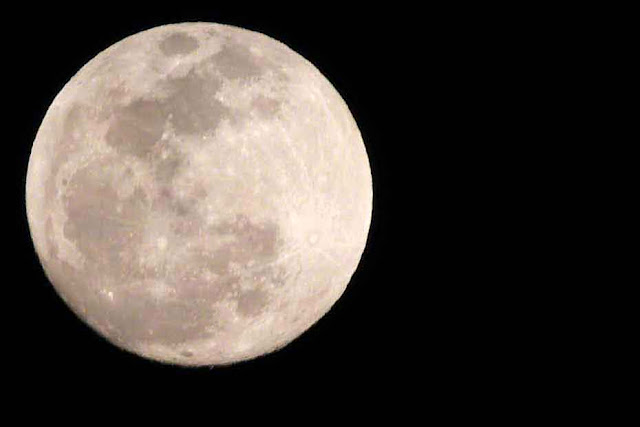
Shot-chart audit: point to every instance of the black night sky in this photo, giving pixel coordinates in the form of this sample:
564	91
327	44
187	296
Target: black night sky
352	348
453	308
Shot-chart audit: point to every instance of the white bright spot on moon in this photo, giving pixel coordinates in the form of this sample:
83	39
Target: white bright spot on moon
313	238
162	243
199	193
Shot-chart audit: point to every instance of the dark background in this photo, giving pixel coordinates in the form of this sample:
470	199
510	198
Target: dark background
458	307
362	344
444	311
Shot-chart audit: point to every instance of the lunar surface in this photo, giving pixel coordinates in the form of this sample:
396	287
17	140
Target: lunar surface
199	194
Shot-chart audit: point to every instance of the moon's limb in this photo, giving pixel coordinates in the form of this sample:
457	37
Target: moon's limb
199	194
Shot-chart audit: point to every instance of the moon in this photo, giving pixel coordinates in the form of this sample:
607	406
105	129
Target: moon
199	194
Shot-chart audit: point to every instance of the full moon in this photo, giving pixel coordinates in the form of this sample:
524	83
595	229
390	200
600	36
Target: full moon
199	194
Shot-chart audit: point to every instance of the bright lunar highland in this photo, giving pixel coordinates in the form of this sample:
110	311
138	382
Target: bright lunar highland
199	194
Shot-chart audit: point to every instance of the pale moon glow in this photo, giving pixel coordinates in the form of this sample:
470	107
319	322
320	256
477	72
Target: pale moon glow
199	194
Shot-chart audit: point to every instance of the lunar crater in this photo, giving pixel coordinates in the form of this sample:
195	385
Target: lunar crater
237	62
178	43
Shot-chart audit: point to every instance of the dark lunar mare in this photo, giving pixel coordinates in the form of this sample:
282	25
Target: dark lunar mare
109	230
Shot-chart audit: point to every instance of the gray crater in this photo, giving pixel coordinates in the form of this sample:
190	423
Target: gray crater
178	44
191	108
137	127
237	62
192	104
